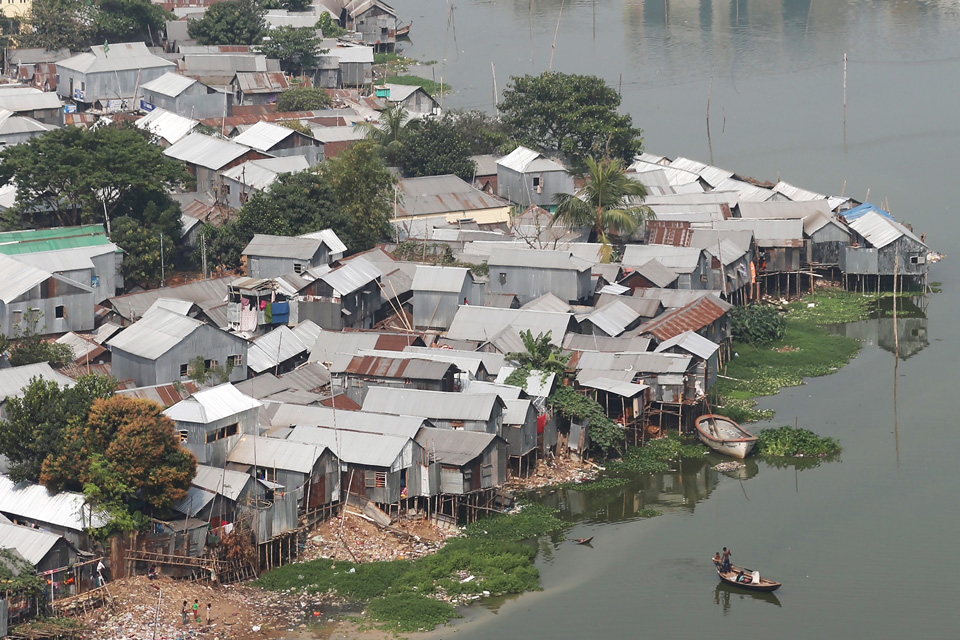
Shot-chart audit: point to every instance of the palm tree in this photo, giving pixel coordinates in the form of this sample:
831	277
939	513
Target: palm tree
607	202
387	133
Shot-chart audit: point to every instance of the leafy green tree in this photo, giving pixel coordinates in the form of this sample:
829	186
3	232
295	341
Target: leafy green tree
130	20
329	27
19	576
296	49
303	99
69	176
236	22
388	133
60	23
436	147
539	354
363	187
289	5
574	115
29	347
482	133
36	421
128	451
606	203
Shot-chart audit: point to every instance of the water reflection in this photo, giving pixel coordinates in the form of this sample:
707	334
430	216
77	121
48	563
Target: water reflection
724	595
910	328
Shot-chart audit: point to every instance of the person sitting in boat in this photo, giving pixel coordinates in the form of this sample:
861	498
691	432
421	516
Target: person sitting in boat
740	577
716	560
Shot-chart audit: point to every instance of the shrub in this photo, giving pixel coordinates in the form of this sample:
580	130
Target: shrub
756	324
788	441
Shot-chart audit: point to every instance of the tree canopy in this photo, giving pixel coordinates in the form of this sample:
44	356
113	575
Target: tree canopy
302	99
436	147
538	355
388	133
130	20
363	186
296	49
329	27
574	115
234	22
37	421
68	23
70	176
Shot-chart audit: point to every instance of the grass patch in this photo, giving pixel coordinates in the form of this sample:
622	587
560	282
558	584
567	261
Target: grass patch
656	456
430	86
832	305
784	442
399	591
743	410
409	612
601	484
649	513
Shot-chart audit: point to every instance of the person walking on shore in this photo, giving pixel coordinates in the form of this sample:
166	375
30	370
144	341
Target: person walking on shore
726	560
183	612
196	609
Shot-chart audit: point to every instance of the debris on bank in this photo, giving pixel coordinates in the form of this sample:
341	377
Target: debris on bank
556	470
355	538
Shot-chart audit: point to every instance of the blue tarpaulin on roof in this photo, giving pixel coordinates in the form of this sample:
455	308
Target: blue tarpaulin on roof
866	207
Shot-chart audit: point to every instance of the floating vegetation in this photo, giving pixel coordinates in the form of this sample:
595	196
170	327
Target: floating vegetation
531	521
785	442
409	612
648	513
656	456
601	484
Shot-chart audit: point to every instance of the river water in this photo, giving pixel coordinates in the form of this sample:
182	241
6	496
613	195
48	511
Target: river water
865	544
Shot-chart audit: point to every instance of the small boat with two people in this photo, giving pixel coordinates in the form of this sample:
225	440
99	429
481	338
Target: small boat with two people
744	578
725	436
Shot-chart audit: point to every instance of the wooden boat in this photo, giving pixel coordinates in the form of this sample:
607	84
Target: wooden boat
725	436
583	540
730	578
404	31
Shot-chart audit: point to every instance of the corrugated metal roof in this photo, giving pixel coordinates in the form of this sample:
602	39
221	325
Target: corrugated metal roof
254	82
617	387
505	391
176	305
355	447
537	385
768	233
205	151
633	362
613	319
308	377
269	453
516	411
261	174
288	415
796	193
32	544
274	348
521	159
438	195
614	289
711	175
33	502
679	259
441	279
499	300
728	250
330	343
692	342
538	259
307	331
746	191
880	230
120	57
30	101
693	317
654	271
154	334
388	367
81	347
354	275
580	342
482	324
226	482
211	405
282	247
455	447
263	136
431	404
707	238
14	379
783	209
205	293
166	395
465	360
169	84
854	213
16	278
330	238
195	500
644	307
674	298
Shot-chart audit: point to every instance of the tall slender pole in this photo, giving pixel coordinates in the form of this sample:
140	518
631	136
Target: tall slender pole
162	275
555	34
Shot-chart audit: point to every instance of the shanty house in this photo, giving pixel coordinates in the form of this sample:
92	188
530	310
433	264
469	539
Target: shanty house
15	129
281	142
382	468
520	426
881	245
703	349
827	238
344	65
374	20
437	294
206	156
780	244
168	127
692	265
500	329
66	513
356	375
184	96
528	178
216	493
279	351
42	106
447	197
412	98
707	316
348	296
44	551
211	421
161	346
610	320
109	73
650	274
13	380
258	87
307	471
37	300
274	256
468	461
463	411
530	274
244	180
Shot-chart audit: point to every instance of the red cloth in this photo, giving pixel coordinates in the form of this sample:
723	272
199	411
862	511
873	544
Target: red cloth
541	423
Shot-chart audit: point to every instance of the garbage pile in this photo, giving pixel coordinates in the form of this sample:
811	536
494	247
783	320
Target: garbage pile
558	470
357	539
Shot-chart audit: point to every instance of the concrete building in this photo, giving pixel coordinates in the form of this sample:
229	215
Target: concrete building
528	178
109	74
182	95
160	347
211	422
530	274
437	294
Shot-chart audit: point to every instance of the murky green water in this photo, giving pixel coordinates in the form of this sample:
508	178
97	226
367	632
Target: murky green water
865	544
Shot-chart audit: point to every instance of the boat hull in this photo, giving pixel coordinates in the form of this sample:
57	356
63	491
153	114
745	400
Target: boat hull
765	586
725	436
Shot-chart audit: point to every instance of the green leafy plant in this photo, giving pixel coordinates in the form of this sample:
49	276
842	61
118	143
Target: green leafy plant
408	612
792	442
601	484
539	354
605	435
756	324
657	456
